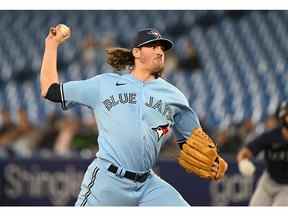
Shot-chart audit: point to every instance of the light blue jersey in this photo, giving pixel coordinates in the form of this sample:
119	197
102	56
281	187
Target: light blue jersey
132	116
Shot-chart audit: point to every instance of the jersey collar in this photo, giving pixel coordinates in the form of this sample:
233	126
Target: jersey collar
130	77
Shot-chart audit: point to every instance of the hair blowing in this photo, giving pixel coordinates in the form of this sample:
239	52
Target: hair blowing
120	58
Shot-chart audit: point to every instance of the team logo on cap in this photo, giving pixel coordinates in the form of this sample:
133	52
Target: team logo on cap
161	130
155	33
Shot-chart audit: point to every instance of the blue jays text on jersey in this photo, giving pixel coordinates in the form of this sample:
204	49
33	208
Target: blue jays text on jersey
123	98
132	116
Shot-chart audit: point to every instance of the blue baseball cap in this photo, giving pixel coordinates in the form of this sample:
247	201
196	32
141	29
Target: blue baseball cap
148	36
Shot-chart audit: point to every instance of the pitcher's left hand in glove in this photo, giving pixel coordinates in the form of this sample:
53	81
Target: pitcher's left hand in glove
199	156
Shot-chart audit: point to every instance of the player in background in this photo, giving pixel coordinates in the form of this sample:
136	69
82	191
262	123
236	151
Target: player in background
134	112
272	187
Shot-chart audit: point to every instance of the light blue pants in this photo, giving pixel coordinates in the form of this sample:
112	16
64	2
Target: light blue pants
103	188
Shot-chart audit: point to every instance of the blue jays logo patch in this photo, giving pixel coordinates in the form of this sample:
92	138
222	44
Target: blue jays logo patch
161	130
156	34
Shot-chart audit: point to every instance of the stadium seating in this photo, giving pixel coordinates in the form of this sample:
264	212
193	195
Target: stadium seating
243	74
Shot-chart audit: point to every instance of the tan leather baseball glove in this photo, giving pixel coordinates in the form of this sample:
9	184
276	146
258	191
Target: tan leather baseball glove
199	156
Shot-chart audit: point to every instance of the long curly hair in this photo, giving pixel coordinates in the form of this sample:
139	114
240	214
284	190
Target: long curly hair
120	58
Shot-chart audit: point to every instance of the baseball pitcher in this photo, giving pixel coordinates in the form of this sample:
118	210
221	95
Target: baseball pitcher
134	112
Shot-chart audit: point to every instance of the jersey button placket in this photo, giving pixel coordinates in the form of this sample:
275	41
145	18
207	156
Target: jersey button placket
142	117
142	99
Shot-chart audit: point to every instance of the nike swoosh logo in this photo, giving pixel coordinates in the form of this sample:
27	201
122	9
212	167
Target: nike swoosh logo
119	84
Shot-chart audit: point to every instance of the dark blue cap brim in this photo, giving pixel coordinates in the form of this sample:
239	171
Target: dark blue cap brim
166	43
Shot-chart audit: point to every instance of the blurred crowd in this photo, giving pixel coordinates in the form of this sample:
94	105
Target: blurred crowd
232	138
59	135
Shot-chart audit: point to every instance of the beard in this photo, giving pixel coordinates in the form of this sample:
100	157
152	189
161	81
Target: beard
158	72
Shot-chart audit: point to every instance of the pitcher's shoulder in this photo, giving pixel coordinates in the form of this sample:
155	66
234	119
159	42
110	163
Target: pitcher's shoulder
170	86
106	76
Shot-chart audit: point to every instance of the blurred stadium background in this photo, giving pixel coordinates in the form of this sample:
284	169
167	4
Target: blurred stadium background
232	66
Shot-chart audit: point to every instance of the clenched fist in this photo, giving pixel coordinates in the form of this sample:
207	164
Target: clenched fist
57	35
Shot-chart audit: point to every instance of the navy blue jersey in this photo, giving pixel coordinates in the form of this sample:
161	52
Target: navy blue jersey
275	147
